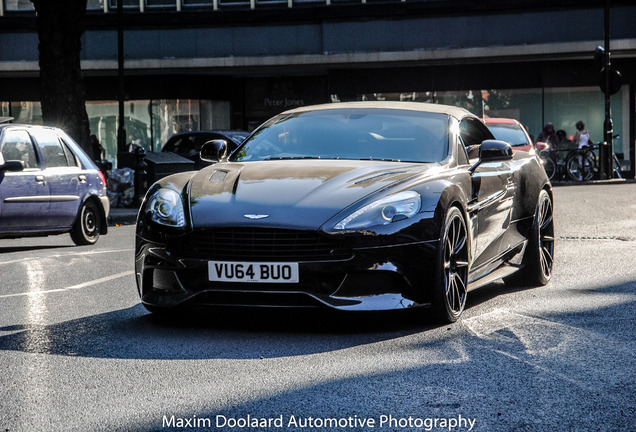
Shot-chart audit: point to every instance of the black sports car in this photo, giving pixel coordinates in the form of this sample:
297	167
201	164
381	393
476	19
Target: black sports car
354	206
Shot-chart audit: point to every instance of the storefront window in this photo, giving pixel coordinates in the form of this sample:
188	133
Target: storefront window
164	3
125	3
566	106
563	107
197	2
103	120
23	112
95	4
151	123
18	5
5	111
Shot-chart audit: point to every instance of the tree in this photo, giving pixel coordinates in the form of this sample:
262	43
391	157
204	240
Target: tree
60	26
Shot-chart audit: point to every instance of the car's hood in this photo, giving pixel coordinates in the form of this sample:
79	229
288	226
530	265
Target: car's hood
288	193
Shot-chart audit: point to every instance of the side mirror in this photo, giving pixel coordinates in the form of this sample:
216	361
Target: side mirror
494	150
213	151
12	165
542	146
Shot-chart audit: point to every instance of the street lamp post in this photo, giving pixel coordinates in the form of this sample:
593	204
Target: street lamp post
606	150
121	127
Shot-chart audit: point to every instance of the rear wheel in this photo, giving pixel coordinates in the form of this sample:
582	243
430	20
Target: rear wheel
451	282
87	226
539	255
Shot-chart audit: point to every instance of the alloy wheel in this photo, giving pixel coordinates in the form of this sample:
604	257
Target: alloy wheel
455	265
546	236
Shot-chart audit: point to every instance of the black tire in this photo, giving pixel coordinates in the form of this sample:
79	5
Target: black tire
583	169
87	225
538	258
451	281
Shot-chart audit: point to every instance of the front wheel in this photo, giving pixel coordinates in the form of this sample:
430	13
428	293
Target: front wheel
451	281
87	226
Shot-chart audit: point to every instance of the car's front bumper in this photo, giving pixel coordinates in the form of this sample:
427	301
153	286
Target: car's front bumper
382	277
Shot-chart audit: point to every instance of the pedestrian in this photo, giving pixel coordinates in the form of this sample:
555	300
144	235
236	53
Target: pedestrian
548	135
563	142
582	140
132	144
99	153
582	137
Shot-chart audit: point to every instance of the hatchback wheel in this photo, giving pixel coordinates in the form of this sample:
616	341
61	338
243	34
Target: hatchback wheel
87	226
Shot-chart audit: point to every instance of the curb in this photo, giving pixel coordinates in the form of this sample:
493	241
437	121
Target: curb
122	216
594	182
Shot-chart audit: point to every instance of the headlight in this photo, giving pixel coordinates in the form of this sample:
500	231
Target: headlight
383	212
165	207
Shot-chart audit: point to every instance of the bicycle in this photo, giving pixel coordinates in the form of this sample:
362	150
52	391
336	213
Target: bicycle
582	164
553	163
618	172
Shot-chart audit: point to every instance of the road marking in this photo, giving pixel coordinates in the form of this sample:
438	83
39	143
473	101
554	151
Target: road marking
66	255
73	287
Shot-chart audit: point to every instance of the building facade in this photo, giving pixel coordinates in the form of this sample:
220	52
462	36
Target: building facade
231	64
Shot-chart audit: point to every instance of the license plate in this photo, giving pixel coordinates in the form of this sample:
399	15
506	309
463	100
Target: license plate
259	272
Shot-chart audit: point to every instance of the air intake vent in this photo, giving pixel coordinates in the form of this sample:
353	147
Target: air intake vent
258	244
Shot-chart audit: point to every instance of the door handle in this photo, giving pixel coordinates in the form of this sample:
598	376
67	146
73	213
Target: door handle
82	178
40	179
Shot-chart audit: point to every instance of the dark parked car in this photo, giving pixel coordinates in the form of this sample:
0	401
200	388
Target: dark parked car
354	206
48	185
188	144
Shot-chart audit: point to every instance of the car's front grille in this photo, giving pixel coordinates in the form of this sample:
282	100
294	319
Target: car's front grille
258	244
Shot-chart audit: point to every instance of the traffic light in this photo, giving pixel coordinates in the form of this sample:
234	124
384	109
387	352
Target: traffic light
602	60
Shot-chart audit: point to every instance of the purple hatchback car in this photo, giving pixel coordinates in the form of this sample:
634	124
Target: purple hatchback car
49	185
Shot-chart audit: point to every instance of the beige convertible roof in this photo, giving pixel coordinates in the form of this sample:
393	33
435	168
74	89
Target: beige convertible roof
412	106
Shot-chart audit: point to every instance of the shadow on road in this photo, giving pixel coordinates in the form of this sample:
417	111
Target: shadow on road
208	334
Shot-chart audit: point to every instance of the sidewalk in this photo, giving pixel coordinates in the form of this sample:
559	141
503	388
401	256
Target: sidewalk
122	216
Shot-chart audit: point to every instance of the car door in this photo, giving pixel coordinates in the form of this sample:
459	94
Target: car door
491	202
63	175
24	195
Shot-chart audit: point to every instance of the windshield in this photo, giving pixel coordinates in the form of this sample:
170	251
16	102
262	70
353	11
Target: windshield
510	133
356	133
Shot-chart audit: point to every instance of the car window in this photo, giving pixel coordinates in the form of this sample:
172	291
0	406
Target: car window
185	145
473	132
510	133
70	156
17	145
51	148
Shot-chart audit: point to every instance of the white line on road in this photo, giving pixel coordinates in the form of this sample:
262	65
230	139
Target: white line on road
74	287
66	255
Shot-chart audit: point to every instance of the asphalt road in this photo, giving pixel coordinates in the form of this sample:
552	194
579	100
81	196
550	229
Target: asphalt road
79	353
